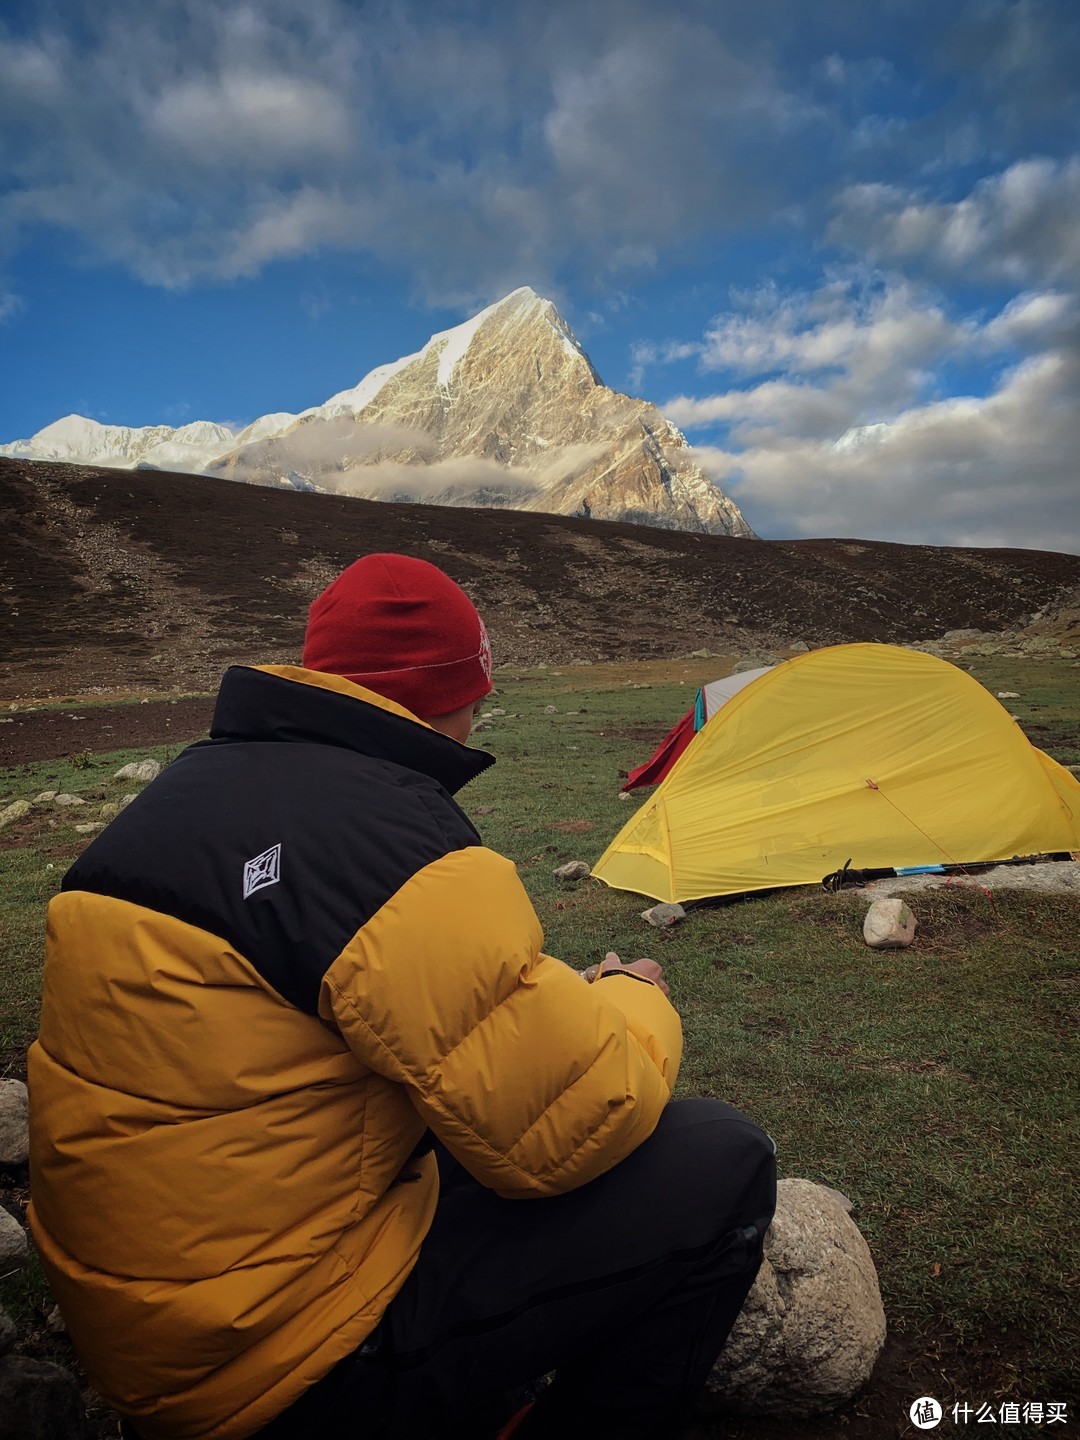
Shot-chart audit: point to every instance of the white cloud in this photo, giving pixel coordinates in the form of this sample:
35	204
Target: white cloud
851	439
994	471
1022	225
852	351
473	150
263	121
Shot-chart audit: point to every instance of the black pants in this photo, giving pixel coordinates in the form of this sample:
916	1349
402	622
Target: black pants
626	1288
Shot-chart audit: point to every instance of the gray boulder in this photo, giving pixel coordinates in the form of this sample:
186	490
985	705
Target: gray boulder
813	1325
17	810
889	925
572	870
663	916
12	1243
39	1401
139	770
14	1124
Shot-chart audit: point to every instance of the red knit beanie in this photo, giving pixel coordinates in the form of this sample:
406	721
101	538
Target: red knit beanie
402	628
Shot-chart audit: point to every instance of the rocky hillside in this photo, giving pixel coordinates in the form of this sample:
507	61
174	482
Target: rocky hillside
505	410
126	579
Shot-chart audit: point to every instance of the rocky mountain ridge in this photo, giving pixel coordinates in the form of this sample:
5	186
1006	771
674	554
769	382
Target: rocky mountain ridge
505	411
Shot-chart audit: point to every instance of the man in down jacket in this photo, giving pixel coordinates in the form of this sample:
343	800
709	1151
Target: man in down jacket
323	1144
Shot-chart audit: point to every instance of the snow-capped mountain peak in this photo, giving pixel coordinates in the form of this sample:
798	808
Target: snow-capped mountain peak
503	409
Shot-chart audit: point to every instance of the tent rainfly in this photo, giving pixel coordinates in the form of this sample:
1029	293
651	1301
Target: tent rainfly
886	756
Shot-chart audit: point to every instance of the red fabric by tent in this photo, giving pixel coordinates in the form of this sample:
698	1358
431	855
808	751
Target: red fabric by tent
665	754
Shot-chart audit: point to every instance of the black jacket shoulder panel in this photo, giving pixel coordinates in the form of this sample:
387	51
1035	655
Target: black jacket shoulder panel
283	850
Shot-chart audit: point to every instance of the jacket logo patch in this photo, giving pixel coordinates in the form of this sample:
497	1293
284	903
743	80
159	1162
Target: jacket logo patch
263	870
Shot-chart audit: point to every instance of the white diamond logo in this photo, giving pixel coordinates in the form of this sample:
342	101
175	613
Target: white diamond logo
263	870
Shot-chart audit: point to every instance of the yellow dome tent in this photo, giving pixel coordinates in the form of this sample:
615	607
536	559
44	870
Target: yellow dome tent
885	756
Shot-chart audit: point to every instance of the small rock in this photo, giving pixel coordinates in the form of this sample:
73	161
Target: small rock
7	1332
702	655
17	810
90	828
139	770
44	797
14	1124
497	712
125	801
889	925
12	1243
1008	695
572	870
625	795
550	710
800	647
65	801
484	810
110	810
54	1322
39	1401
662	916
813	1325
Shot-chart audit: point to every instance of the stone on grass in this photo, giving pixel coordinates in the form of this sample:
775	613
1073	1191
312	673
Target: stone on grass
813	1325
125	800
1008	695
17	810
889	925
39	1401
139	770
90	828
64	801
572	870
14	1124
663	916
12	1243
550	710
44	797
55	1322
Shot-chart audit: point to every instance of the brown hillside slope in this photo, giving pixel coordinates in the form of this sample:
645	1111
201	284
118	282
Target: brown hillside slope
123	579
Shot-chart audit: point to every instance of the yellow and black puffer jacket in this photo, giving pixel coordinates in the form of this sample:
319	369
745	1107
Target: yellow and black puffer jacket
286	962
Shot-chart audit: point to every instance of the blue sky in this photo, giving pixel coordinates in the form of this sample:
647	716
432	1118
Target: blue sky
838	244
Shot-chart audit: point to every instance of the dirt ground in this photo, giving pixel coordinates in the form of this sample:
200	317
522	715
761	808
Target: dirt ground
47	734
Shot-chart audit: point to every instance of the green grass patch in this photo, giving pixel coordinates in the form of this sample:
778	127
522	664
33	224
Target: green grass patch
937	1087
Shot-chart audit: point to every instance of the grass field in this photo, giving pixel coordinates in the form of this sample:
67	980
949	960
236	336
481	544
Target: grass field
937	1087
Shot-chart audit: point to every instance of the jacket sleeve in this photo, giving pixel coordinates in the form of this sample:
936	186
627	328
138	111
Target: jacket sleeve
536	1081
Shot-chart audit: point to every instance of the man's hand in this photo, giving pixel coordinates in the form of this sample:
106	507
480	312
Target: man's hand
649	969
